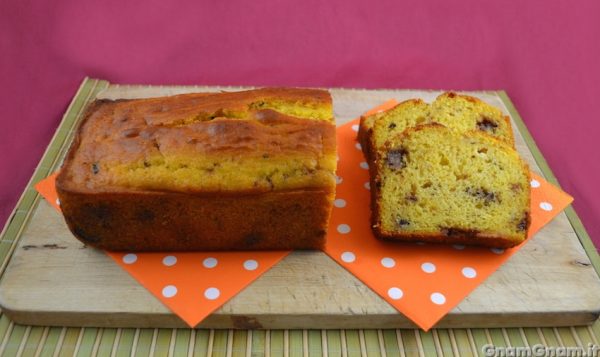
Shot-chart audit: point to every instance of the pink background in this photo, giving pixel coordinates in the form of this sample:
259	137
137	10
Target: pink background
546	55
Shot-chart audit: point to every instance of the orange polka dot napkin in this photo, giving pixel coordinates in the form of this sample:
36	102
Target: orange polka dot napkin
195	284
191	284
423	281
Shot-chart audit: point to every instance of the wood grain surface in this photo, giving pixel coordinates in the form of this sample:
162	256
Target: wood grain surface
52	279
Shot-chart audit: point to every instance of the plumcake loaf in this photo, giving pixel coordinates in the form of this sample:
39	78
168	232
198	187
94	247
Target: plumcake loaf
227	171
440	185
456	111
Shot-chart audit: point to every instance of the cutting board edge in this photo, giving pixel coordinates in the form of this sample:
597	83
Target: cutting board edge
283	321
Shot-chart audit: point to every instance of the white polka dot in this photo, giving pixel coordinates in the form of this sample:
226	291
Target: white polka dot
210	262
367	185
535	183
339	203
348	257
343	228
169	260
388	262
212	293
546	206
355	127
469	272
438	298
458	246
395	293
338	180
358	146
250	264
129	258
428	267
58	202
364	165
497	250
169	291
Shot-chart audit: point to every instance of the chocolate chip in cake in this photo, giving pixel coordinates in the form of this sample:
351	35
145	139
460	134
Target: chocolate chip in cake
411	197
95	168
101	214
516	187
270	181
252	239
144	215
487	124
483	194
217	114
131	133
396	158
402	222
523	223
459	232
392	125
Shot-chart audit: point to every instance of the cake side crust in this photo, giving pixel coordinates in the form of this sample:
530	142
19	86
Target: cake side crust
169	221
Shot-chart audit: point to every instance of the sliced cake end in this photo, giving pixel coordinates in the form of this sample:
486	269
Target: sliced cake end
436	184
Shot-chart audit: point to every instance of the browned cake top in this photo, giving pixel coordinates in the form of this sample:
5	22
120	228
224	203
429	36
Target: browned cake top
256	141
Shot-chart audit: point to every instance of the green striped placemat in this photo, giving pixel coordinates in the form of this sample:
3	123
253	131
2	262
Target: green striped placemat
18	340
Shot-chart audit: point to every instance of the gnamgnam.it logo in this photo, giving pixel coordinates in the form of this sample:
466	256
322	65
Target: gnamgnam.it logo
591	350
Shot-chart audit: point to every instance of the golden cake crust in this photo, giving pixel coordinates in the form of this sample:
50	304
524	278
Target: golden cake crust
124	132
118	192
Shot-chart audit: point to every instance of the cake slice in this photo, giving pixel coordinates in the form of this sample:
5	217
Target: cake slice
375	129
463	112
456	111
435	184
226	171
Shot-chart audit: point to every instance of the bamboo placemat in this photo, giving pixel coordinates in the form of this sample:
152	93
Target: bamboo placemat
17	340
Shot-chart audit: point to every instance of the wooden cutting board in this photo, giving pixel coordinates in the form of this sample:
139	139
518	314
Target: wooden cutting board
52	279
